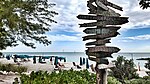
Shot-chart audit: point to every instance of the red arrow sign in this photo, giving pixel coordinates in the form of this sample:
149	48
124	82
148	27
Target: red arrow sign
99	54
114	34
99	42
102	18
103	49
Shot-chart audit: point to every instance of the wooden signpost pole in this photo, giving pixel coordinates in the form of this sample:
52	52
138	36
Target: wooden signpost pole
101	74
102	33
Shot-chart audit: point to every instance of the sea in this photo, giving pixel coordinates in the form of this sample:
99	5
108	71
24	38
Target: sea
75	56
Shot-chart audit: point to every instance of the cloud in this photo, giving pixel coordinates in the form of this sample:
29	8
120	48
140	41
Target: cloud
137	16
69	9
140	37
63	38
67	21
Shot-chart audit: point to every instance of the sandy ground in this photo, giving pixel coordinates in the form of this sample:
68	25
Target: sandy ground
7	79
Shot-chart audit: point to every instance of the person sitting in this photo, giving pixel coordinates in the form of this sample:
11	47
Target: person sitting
61	65
74	64
92	67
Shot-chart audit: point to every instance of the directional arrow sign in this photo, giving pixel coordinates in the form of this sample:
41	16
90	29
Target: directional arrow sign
99	31
113	34
102	23
103	49
92	24
114	6
101	5
91	6
99	42
99	54
87	30
102	18
105	2
99	60
91	1
110	27
110	12
97	10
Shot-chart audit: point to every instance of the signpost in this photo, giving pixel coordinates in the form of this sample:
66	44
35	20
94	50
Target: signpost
101	5
103	49
105	27
93	10
99	31
102	18
104	36
99	42
99	54
105	2
102	23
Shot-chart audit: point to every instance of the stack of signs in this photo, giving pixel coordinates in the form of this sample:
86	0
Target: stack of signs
106	24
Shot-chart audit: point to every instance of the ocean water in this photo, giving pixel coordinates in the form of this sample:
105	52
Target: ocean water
75	56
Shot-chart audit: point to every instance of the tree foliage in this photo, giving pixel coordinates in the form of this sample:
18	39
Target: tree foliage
144	80
25	21
112	80
144	4
124	69
147	65
13	68
63	77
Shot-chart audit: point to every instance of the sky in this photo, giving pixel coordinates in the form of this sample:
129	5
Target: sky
66	36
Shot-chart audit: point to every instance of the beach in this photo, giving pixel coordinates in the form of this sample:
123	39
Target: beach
9	78
47	66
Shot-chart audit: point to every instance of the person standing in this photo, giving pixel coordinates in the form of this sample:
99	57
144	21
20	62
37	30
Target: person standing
51	60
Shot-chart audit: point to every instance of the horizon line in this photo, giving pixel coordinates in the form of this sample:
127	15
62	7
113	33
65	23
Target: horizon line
72	52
